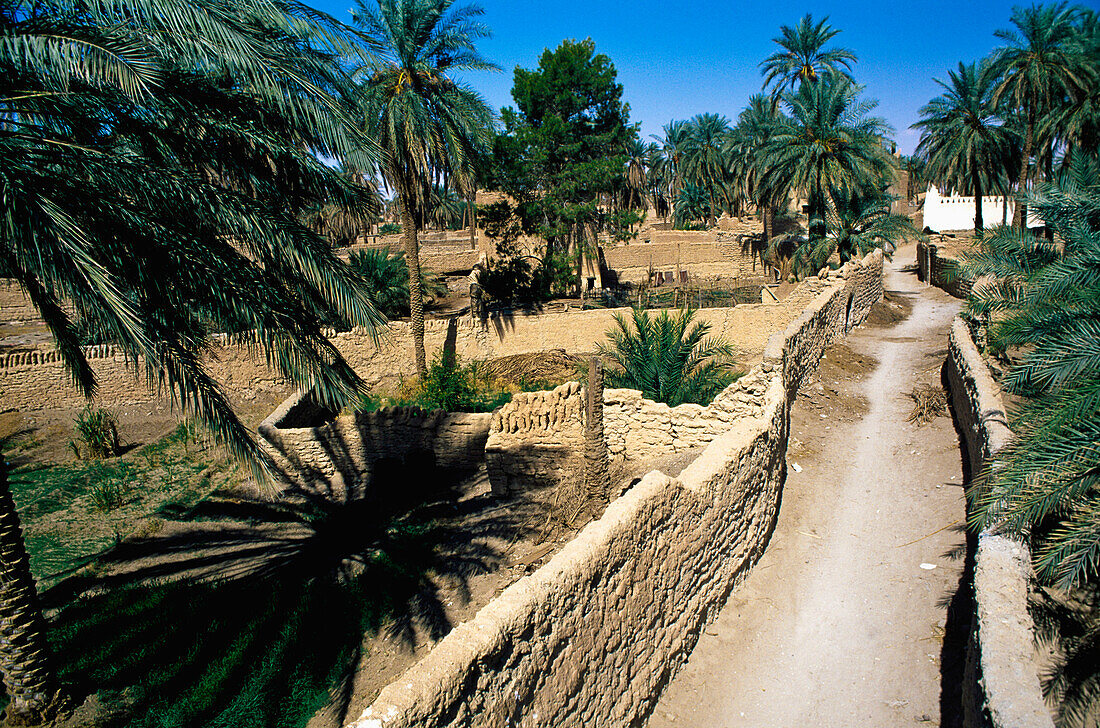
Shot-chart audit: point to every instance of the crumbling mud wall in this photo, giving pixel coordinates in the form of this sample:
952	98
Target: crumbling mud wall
592	637
344	456
34	377
1002	687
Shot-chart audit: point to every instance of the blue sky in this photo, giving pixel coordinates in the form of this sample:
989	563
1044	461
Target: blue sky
677	60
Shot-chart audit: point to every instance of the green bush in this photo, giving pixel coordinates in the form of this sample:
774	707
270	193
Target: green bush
387	277
667	358
389	228
96	432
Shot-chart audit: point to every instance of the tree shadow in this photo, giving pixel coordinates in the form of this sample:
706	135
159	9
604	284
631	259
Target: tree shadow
954	685
252	612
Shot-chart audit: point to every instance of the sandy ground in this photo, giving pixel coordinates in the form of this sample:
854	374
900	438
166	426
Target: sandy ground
843	620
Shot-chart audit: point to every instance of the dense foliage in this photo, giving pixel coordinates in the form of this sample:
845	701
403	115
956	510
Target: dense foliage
562	151
668	358
1042	299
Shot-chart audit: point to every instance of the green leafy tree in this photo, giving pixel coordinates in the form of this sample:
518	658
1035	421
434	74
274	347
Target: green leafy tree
962	140
803	57
1042	62
428	125
154	161
668	357
563	146
1043	298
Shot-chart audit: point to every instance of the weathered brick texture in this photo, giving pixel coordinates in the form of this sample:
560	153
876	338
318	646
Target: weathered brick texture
592	637
1002	678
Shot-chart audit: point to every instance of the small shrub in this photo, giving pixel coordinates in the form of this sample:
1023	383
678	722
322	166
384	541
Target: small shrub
107	495
389	228
96	434
449	385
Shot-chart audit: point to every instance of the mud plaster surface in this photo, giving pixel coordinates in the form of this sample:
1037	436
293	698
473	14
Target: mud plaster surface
838	624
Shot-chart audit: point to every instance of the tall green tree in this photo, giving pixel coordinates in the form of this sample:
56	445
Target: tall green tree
430	126
749	138
827	145
704	160
803	56
1046	300
564	145
1042	62
962	140
155	162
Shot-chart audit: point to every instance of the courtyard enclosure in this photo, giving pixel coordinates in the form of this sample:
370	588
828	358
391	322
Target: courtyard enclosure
33	376
1002	675
592	637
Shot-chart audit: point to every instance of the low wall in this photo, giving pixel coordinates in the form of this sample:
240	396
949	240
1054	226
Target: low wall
592	637
537	439
343	456
710	259
941	271
1002	687
35	378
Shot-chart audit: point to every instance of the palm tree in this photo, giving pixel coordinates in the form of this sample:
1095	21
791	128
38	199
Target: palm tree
428	125
1047	301
703	160
674	144
635	177
804	58
828	146
1041	63
962	140
755	125
668	358
154	161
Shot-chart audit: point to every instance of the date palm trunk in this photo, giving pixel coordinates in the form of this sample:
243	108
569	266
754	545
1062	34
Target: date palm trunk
25	660
416	291
979	222
1019	215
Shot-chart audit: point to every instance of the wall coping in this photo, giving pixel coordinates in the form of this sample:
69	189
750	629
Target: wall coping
1002	567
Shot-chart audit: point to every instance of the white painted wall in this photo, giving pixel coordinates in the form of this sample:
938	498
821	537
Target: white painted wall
956	212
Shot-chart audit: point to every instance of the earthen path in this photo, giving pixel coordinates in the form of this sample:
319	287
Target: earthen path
842	622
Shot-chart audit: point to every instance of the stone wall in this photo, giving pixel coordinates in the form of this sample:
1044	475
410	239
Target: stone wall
941	271
535	439
14	304
592	637
1002	688
343	456
35	378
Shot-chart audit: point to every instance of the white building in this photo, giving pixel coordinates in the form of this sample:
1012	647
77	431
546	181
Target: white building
956	212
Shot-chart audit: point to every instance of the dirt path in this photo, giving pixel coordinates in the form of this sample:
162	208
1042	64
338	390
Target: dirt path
842	622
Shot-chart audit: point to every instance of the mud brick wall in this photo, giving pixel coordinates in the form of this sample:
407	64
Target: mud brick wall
536	439
343	455
592	637
1002	677
941	271
36	379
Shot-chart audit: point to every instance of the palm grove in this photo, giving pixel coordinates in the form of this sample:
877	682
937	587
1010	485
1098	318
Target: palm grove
1024	123
162	181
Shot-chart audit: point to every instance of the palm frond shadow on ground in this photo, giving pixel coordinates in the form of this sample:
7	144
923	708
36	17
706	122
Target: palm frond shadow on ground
253	613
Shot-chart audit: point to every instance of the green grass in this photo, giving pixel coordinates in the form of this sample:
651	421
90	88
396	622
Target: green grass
73	511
